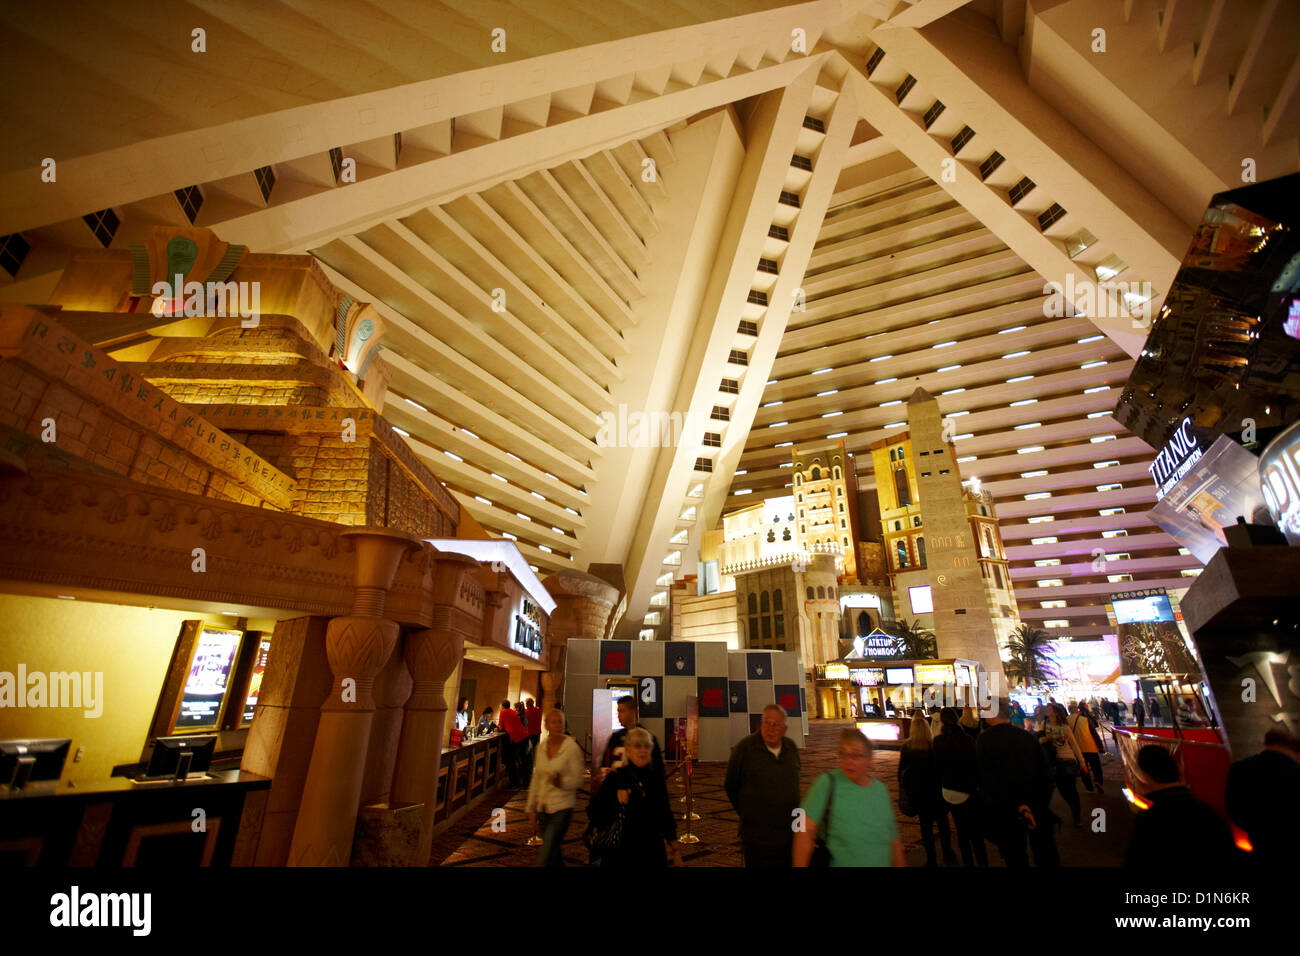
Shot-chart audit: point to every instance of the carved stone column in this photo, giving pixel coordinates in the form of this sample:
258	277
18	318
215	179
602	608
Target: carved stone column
357	646
586	607
431	657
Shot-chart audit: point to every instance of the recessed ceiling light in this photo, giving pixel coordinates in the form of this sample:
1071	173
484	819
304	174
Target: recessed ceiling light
896	424
452	456
944	345
950	368
743	471
404	434
1096	388
416	404
1019	378
498	477
1091	338
771	404
838	435
745	491
1028	425
952	391
1028	449
482	499
881	358
1024	401
1014	328
957	414
784	444
536	494
823	371
777	424
966	458
829	391
897	401
832	414
1093	364
1011	355
1098	414
886	381
963	435
511	454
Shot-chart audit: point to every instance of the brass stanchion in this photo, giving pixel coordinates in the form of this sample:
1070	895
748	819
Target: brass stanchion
690	815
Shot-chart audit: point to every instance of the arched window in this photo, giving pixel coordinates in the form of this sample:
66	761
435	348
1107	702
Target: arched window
810	593
892	456
920	549
753	603
817	473
821	592
764	604
800	512
844	523
777	604
830	592
839	491
798	480
836	471
864	623
780	629
901	549
841	507
846	542
901	490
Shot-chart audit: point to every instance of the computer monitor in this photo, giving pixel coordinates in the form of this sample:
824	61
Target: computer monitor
180	757
27	761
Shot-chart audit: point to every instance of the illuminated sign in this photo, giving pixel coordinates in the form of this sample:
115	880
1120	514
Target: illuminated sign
935	674
837	672
922	602
255	681
1180	453
965	675
208	680
867	676
1279	473
860	600
880	729
898	675
1225	483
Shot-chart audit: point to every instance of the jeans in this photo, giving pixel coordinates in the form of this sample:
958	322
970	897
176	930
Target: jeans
1067	773
935	816
966	817
1008	832
1093	761
553	826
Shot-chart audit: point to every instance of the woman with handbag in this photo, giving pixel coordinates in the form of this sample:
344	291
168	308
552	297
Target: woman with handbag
919	791
959	775
630	821
1068	759
557	773
848	819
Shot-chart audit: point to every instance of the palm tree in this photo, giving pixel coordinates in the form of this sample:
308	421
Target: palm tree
1030	659
911	641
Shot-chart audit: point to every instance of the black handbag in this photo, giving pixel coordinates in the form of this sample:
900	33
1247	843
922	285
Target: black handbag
821	855
601	839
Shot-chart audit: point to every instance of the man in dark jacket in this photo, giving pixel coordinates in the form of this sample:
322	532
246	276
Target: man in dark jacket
763	785
1263	798
1016	787
1139	713
1178	832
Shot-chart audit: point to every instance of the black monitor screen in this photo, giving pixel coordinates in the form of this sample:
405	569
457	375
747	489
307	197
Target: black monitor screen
168	751
23	761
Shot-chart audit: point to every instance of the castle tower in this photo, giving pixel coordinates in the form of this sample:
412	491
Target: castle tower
825	486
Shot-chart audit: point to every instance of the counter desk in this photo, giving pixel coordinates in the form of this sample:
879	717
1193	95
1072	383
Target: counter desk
120	822
466	774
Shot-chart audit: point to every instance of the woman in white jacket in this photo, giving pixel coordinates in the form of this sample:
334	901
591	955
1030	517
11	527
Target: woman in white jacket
557	772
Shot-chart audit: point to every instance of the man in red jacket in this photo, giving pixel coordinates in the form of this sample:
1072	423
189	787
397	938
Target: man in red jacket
515	745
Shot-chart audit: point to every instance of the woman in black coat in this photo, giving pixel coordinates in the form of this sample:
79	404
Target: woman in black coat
959	775
649	833
919	776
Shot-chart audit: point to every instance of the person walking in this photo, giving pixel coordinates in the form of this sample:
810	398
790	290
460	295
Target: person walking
1017	715
1058	739
1263	799
918	776
1153	711
627	718
1177	833
854	811
762	783
535	722
1085	736
517	738
557	773
1040	716
633	802
1139	714
954	756
1016	788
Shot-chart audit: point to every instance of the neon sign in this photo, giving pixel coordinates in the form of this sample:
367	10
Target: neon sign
1175	459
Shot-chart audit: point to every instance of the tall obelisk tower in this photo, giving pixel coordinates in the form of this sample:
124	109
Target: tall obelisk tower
963	625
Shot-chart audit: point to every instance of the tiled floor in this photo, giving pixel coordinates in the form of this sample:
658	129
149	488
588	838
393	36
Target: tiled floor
473	841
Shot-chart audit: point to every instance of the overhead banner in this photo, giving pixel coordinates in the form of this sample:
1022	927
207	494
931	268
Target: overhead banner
1221	486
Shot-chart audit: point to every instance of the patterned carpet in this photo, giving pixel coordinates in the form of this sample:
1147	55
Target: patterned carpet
472	841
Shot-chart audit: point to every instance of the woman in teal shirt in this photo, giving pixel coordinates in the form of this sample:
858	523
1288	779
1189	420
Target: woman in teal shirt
863	830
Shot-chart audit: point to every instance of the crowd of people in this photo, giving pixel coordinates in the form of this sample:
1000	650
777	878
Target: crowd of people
990	780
